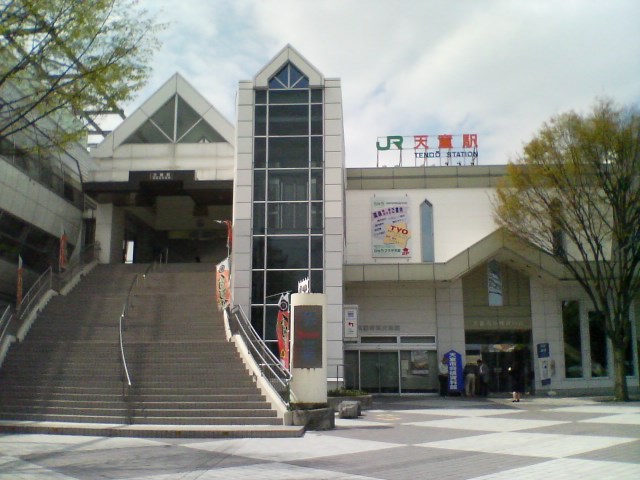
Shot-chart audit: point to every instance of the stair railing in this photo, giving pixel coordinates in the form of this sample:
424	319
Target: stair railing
270	366
88	254
30	301
5	321
128	303
122	323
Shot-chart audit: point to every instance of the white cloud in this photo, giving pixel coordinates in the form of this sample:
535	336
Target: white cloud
497	68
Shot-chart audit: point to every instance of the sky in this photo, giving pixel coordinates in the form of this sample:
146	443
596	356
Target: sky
494	68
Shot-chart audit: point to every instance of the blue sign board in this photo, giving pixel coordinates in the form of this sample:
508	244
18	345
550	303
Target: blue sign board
456	379
543	350
544	363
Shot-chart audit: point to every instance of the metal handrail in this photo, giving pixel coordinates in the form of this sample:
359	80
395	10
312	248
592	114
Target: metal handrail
5	321
121	327
270	366
87	254
42	285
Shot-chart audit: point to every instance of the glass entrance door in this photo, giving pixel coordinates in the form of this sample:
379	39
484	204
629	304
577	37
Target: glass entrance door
379	372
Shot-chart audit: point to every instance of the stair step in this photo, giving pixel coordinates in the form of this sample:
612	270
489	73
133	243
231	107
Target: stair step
151	430
187	376
159	420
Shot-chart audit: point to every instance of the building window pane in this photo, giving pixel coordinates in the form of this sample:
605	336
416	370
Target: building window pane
257	319
257	285
494	284
316	252
316	217
258	252
258	218
317	281
259	185
260	152
287	217
285	252
316	185
288	120
316	95
316	119
316	152
289	96
286	185
426	222
271	319
261	96
628	355
572	339
598	344
291	152
260	121
279	281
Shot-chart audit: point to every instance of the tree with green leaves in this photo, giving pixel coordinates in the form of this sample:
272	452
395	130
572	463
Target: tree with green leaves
68	56
575	194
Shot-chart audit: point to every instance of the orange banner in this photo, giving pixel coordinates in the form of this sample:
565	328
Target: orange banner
223	284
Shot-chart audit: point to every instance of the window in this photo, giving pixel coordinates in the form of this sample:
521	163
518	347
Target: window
598	344
175	122
426	222
288	192
572	339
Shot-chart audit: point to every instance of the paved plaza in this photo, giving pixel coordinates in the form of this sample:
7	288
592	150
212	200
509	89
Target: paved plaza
403	438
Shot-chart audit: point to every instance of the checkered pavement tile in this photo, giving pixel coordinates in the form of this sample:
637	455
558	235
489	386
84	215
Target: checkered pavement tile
312	445
569	469
530	444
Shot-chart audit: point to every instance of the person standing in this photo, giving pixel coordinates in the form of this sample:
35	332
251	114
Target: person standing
470	373
443	375
517	381
483	378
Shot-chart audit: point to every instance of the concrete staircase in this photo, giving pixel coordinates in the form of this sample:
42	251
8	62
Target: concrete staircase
188	380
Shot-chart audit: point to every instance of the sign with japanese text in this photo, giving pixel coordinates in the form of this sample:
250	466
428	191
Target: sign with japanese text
544	363
429	150
456	379
350	322
390	229
160	176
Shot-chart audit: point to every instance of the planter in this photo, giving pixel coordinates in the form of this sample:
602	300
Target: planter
366	401
315	419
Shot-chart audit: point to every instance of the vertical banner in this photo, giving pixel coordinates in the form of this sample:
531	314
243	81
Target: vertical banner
223	288
390	229
229	234
456	379
282	329
19	284
62	254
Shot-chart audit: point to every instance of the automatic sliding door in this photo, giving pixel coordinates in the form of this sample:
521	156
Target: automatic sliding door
379	372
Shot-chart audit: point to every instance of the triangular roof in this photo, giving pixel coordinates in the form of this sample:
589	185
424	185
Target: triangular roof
286	55
498	245
223	129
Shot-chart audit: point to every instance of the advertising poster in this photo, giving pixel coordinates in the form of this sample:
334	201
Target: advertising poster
390	229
